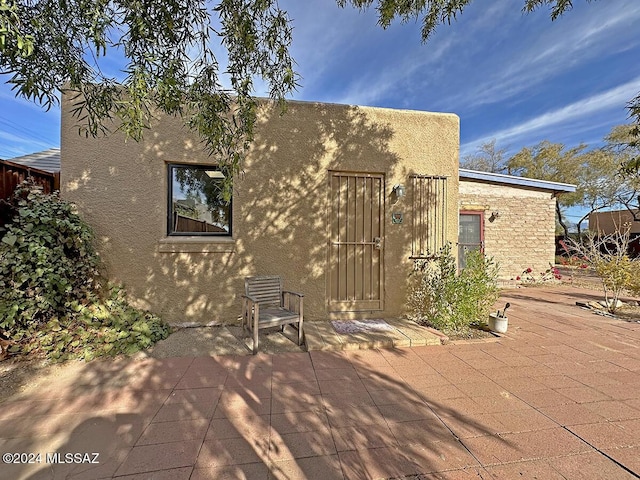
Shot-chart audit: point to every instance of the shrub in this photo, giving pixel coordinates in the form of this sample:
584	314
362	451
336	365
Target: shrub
608	256
480	282
529	278
102	327
452	302
634	282
46	260
433	285
51	296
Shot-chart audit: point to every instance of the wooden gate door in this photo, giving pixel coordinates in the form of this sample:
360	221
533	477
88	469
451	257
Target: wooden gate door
356	242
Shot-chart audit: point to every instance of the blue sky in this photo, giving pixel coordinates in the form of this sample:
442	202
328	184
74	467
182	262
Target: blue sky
517	78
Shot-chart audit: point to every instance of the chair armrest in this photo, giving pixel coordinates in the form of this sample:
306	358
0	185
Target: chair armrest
293	293
250	298
286	300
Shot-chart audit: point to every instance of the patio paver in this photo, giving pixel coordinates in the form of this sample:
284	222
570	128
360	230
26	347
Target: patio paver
553	398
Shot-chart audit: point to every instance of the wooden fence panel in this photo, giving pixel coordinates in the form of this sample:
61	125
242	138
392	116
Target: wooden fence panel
11	174
191	225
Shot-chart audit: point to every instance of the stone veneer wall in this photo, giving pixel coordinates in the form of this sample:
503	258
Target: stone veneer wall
523	234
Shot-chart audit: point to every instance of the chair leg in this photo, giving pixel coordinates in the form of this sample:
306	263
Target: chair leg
255	341
255	335
301	313
300	332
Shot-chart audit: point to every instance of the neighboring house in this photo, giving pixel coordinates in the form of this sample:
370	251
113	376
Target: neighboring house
338	200
606	223
512	218
44	167
611	221
47	160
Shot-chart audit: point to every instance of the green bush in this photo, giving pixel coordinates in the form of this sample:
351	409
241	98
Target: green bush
103	327
634	281
52	299
452	302
46	260
608	255
480	284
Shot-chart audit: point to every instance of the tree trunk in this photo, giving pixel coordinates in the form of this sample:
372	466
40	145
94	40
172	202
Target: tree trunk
560	221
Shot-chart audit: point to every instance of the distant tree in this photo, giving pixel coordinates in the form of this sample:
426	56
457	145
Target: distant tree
633	138
624	140
50	46
486	159
622	144
599	176
599	183
553	162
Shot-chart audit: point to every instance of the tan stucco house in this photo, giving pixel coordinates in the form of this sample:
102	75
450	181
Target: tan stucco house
316	204
338	200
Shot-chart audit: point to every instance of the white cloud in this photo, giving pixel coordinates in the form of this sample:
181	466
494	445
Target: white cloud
373	87
529	50
26	139
12	146
545	50
583	110
8	95
411	67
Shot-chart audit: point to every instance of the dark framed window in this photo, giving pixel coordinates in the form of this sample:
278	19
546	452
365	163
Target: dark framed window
195	206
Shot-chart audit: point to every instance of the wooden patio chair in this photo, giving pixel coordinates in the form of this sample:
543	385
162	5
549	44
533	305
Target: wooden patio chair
265	304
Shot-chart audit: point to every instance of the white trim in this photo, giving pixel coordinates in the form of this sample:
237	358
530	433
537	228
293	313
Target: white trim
465	174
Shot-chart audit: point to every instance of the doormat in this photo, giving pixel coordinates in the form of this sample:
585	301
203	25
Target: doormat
359	326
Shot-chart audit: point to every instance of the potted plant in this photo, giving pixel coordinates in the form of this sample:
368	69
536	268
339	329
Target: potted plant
498	321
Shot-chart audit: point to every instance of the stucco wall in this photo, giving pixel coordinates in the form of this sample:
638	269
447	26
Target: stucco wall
280	204
523	234
609	222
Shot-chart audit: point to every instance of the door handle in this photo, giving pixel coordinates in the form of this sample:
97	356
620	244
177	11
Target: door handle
377	243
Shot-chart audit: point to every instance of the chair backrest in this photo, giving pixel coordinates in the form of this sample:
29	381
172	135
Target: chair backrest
266	289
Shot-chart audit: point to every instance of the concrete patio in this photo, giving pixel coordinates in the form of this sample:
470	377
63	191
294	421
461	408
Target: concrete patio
319	335
556	397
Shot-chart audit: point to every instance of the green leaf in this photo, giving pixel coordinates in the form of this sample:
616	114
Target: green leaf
9	239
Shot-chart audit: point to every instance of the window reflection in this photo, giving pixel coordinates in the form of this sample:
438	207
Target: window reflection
194	201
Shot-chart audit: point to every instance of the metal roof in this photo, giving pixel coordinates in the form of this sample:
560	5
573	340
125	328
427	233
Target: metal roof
48	160
465	174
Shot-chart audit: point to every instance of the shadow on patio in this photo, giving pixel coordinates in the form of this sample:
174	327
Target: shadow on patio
555	398
318	415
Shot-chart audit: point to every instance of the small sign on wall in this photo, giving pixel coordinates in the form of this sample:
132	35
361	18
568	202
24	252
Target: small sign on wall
397	217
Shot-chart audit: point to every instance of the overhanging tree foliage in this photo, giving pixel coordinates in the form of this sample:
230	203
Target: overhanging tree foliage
437	12
173	64
169	48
